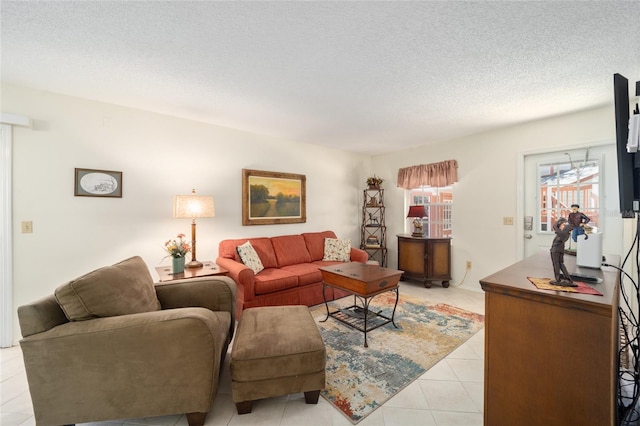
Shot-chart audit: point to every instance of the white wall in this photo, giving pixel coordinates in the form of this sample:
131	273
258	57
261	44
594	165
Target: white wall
160	156
488	186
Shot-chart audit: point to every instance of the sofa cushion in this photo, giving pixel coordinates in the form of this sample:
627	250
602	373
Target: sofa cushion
290	250
120	289
307	273
272	280
315	243
335	249
262	246
249	257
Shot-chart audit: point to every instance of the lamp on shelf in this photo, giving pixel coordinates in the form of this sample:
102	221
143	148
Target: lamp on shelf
191	207
417	213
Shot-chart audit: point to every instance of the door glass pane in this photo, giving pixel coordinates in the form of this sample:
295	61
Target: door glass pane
562	184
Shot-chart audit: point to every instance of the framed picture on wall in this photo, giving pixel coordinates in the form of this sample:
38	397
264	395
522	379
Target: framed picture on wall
97	183
270	198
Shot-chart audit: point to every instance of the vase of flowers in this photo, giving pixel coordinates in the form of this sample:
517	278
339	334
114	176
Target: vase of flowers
177	265
177	249
374	182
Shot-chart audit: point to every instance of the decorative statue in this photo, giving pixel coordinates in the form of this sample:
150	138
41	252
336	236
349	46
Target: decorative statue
577	220
563	230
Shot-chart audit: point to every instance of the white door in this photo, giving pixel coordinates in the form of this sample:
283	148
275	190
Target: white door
555	180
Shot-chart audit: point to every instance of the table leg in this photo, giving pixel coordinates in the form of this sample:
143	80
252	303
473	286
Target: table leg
324	297
365	304
355	312
393	314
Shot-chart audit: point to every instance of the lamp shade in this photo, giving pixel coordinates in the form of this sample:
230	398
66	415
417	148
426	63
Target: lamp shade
417	211
193	206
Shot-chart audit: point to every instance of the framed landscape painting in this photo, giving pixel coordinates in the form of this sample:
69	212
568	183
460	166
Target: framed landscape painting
270	198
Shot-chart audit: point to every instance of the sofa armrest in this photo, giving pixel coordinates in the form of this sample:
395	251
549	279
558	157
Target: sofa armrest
359	255
242	275
218	293
135	362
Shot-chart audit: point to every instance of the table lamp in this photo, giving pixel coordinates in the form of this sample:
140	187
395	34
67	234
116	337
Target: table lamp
191	207
417	213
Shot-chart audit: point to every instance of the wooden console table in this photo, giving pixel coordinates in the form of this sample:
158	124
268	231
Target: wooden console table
426	259
550	356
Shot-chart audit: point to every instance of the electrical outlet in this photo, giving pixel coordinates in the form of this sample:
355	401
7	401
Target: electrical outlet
27	227
508	220
468	264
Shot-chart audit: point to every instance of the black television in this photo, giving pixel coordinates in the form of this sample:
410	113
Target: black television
628	163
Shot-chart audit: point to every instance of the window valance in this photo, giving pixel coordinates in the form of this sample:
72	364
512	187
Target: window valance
443	173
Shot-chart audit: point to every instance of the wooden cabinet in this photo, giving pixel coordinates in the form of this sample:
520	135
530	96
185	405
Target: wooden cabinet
374	230
550	356
427	259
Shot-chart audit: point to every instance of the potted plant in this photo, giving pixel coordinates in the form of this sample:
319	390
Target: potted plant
374	182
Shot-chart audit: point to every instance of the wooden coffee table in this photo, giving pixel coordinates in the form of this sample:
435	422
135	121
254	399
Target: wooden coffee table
364	282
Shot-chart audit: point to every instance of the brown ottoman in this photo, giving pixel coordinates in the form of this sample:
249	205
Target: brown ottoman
277	350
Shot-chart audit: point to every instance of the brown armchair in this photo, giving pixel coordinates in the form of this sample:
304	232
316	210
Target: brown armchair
114	345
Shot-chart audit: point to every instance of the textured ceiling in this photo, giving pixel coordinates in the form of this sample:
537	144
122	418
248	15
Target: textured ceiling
368	77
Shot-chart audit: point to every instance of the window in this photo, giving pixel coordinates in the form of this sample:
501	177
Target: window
562	184
438	202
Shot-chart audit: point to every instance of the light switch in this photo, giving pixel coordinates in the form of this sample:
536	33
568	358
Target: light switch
27	227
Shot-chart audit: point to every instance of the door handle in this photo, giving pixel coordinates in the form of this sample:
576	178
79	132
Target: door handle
528	236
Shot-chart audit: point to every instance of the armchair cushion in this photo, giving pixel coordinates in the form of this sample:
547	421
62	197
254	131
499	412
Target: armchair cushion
120	289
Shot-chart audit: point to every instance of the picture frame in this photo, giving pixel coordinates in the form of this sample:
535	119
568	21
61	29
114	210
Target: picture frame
97	183
273	198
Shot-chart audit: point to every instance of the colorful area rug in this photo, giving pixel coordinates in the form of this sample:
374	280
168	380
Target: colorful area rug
544	284
360	379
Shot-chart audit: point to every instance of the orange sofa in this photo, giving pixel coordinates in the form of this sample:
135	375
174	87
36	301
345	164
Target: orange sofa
290	276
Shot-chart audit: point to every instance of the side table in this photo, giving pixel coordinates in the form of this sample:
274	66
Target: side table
207	269
424	258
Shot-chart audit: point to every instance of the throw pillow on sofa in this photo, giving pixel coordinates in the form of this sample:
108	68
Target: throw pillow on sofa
249	257
337	250
120	289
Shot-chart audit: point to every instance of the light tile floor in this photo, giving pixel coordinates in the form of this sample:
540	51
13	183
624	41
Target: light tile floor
450	393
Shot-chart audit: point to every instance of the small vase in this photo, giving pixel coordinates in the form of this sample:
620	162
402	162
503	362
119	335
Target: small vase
177	265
